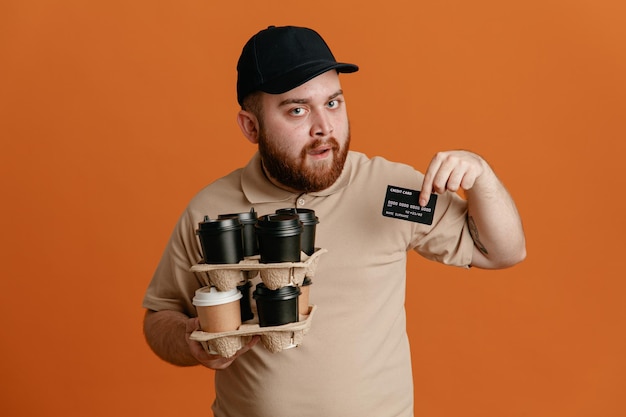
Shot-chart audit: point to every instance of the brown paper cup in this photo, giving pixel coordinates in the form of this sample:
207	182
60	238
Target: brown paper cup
218	311
303	299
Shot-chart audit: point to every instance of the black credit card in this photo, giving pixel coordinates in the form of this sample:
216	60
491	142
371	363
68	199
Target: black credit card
402	203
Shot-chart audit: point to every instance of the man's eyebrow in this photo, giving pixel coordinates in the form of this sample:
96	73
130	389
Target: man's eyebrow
306	100
293	101
337	94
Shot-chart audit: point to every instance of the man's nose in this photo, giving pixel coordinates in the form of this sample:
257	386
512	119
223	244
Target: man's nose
322	125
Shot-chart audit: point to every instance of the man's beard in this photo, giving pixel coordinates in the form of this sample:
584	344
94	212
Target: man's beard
294	173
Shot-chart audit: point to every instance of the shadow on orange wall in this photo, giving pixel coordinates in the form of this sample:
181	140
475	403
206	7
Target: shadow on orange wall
113	114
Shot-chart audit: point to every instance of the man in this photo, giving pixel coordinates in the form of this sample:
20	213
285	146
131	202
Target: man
355	360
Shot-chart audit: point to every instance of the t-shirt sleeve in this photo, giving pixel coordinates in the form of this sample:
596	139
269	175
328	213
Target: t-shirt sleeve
172	286
448	239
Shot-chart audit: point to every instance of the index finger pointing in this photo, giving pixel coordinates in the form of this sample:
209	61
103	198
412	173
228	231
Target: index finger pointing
429	178
427	187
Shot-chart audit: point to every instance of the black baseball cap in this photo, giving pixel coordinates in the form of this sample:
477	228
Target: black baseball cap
278	59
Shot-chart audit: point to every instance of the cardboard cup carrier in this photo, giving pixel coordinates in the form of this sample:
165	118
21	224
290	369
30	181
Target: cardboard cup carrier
283	314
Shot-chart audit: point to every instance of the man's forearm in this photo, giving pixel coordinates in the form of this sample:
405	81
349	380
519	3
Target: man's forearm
165	333
495	224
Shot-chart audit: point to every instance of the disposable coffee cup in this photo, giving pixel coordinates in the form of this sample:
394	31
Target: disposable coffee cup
279	238
309	224
303	299
276	307
247	220
221	240
218	311
245	302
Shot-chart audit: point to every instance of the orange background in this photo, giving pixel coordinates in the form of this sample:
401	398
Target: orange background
114	113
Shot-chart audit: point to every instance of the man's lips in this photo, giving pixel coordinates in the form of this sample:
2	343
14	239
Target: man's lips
320	150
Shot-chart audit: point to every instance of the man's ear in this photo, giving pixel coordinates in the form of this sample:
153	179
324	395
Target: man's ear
249	125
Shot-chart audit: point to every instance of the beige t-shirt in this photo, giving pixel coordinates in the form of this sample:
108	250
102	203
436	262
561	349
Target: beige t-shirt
355	360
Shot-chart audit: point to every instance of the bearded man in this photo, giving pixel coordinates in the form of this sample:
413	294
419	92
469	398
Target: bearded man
355	360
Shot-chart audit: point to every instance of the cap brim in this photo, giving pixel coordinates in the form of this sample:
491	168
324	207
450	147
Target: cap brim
299	76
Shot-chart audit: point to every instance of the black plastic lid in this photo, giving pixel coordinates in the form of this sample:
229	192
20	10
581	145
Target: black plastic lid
279	224
284	293
306	216
219	225
248	217
244	285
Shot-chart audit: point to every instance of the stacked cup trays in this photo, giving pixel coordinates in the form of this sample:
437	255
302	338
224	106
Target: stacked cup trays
237	248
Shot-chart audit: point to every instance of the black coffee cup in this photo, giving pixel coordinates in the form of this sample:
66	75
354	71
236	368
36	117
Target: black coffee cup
247	220
279	238
276	307
244	302
221	240
309	223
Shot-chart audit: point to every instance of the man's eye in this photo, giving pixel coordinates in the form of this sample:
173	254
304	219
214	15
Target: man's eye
297	111
333	103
